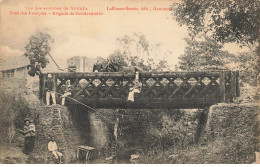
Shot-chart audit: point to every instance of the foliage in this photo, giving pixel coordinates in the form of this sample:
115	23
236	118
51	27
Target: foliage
13	110
38	48
137	49
226	21
118	57
248	65
200	54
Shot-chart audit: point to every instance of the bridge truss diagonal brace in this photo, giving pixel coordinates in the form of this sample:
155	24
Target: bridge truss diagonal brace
179	88
193	87
110	88
204	90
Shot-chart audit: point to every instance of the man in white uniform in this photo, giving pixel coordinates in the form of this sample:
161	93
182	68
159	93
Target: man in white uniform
53	148
135	89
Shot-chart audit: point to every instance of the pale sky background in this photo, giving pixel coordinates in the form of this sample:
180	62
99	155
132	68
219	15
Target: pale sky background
91	36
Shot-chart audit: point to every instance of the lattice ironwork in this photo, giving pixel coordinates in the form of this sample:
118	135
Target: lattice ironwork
161	88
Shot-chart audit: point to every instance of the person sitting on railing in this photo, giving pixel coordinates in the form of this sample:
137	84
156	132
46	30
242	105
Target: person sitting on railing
135	89
72	67
67	93
49	87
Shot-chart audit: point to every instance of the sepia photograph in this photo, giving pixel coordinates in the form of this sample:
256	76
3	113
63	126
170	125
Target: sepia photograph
129	82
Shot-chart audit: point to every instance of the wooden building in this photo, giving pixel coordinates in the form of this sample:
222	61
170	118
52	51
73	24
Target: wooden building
14	67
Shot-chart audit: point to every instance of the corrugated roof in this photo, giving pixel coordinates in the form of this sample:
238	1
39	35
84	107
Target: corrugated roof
8	63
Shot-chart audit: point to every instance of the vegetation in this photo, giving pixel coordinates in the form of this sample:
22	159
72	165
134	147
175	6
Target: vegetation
13	111
203	53
38	48
137	49
248	65
225	21
220	22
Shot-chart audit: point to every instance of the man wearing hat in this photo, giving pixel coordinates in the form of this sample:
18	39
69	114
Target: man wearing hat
29	140
49	87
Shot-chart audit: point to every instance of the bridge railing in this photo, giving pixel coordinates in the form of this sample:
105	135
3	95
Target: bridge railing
161	89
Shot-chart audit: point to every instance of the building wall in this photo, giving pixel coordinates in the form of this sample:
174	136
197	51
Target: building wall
14	66
83	64
15	73
20	72
8	73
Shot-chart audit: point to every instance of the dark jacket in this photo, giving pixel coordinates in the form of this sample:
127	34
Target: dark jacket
98	67
49	85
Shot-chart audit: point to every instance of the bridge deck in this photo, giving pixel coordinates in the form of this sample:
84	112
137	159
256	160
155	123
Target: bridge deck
159	90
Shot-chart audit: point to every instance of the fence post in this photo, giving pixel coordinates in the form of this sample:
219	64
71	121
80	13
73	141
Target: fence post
237	84
228	87
222	86
40	86
43	87
233	85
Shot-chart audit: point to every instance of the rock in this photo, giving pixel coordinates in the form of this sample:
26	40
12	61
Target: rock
134	156
109	158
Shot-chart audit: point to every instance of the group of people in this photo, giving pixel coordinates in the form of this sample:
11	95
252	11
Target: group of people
98	67
29	132
50	92
29	128
49	87
35	69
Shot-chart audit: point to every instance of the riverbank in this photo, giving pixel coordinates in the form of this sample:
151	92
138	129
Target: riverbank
231	136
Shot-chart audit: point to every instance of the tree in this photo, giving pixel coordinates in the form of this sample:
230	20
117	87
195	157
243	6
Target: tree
248	65
118	58
137	49
224	20
203	53
38	48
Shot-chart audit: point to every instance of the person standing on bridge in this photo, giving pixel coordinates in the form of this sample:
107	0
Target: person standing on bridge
97	67
72	67
50	90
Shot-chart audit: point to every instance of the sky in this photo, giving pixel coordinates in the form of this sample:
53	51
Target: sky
90	36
